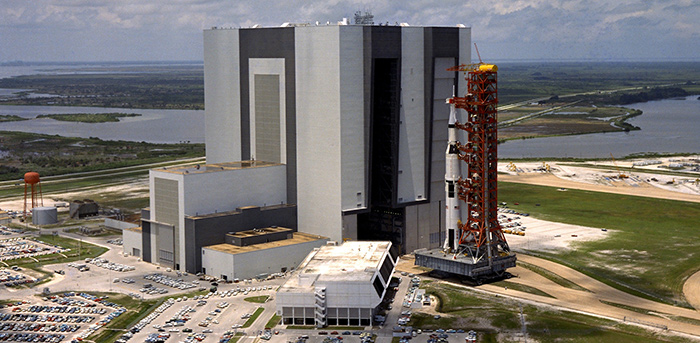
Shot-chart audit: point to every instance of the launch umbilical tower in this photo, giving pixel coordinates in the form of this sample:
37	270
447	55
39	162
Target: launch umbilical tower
474	247
480	234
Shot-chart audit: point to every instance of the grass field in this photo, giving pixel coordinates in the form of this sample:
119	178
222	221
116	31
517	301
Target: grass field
274	320
257	299
652	243
79	250
490	315
252	318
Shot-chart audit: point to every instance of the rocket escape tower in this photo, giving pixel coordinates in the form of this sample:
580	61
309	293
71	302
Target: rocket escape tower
474	247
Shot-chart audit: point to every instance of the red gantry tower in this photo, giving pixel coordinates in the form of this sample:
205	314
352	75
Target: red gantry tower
480	233
478	249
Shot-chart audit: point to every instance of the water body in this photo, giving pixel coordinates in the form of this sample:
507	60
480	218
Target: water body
667	126
155	126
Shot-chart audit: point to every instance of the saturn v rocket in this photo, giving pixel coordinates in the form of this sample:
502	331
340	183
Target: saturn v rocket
452	175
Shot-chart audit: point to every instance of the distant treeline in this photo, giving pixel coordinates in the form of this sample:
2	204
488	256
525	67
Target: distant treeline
652	94
89	117
55	155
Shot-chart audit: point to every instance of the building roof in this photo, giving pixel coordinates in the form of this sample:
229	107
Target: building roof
259	232
218	167
134	229
297	238
352	261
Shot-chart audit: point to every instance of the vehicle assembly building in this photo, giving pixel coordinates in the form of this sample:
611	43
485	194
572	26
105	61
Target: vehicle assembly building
338	285
336	131
355	114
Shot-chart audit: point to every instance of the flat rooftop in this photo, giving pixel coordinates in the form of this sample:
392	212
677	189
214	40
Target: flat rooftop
352	261
259	232
297	238
218	167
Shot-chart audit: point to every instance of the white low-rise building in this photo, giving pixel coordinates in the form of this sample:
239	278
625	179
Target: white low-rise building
338	285
244	261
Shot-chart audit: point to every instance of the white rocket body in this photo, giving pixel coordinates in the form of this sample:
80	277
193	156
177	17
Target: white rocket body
452	175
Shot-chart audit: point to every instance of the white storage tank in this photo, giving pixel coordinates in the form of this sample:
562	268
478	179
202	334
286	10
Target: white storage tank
44	215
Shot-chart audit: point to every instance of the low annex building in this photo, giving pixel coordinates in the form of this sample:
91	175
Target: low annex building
258	252
338	285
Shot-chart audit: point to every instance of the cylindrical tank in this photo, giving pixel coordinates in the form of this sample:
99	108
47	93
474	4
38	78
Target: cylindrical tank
44	215
31	178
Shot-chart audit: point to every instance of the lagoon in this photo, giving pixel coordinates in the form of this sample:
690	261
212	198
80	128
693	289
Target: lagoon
667	126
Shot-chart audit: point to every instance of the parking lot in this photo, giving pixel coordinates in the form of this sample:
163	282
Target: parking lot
56	318
14	276
210	316
23	247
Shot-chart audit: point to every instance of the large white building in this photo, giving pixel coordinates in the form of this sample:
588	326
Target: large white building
337	131
356	114
338	285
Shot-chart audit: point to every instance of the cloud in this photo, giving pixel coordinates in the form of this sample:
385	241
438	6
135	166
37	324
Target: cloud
512	29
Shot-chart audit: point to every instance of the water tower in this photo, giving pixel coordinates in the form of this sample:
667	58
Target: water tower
31	180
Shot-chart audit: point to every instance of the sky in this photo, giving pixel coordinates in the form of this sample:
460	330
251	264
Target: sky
171	30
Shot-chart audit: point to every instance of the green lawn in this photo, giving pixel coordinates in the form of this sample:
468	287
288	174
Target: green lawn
652	244
257	299
273	321
252	318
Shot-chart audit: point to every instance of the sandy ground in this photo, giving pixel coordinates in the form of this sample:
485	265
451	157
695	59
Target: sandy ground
593	180
544	235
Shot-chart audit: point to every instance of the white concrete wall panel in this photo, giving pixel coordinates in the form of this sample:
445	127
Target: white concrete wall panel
352	122
132	239
411	178
268	261
118	224
217	263
227	190
318	116
350	294
294	299
222	96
